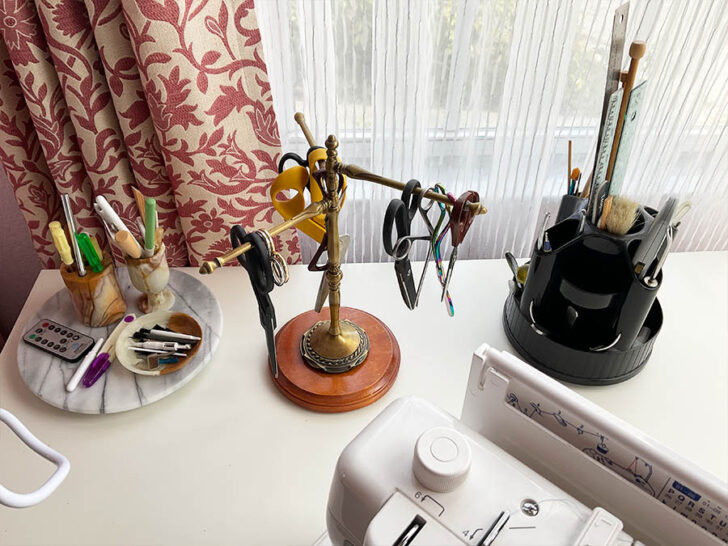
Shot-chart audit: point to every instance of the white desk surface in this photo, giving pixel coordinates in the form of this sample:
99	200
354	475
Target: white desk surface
228	460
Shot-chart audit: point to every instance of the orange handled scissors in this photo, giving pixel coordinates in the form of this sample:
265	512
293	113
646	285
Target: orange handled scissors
298	179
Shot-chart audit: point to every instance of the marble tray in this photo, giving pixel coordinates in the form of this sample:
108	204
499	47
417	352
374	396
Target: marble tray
119	389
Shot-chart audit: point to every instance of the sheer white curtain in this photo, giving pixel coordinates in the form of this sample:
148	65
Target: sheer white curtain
484	95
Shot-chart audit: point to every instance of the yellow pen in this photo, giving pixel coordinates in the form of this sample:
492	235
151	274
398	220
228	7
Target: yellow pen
59	239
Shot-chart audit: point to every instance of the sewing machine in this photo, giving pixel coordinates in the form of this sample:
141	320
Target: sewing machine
530	462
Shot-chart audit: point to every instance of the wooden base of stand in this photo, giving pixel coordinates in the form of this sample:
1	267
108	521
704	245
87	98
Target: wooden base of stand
332	393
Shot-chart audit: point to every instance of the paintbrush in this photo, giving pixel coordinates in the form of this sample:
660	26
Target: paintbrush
140	202
621	216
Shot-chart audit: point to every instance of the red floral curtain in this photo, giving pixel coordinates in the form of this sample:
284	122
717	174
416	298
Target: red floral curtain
171	97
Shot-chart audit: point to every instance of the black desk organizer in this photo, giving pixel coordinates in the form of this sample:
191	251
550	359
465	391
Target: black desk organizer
583	316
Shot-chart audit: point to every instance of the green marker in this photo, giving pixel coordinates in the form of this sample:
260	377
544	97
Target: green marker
87	248
150	224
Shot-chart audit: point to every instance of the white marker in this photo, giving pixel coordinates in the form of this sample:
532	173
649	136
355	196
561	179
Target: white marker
85	363
171	336
162	345
111	219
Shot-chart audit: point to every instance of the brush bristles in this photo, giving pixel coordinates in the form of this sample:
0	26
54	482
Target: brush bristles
621	216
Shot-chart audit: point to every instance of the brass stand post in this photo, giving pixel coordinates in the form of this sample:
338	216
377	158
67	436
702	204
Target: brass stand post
333	345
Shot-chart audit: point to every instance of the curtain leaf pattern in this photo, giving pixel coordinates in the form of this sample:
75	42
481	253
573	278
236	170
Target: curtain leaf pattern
169	97
25	165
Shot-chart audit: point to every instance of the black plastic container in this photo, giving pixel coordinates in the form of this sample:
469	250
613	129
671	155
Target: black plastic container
583	315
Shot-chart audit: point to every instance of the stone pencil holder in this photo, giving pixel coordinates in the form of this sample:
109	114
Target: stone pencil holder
96	297
150	276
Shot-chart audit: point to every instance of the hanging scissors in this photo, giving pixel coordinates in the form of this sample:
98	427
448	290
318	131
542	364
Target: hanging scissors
300	179
258	265
398	220
437	243
460	220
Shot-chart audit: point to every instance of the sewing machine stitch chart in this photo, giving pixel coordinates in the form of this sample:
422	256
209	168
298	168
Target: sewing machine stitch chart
651	479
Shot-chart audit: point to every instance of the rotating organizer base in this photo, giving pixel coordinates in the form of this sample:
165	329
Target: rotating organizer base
583	315
582	367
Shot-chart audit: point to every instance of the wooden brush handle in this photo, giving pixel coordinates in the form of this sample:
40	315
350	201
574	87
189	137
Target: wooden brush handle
127	243
568	169
139	199
636	52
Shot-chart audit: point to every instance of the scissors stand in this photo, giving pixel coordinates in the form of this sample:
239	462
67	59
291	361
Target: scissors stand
340	359
336	392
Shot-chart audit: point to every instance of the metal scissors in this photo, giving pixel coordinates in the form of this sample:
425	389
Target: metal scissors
258	265
323	290
398	219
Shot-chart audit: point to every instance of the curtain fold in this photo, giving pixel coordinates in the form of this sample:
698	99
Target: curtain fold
169	97
29	54
83	85
134	119
24	163
486	94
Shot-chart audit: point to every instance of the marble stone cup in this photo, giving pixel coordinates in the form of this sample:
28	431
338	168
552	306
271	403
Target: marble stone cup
96	297
150	276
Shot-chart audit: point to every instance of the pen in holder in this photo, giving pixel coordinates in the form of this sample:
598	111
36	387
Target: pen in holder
583	315
96	297
150	276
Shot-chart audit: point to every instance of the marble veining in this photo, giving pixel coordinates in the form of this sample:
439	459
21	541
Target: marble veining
119	389
150	276
96	297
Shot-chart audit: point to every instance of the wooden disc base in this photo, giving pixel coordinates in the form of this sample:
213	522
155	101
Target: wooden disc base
333	393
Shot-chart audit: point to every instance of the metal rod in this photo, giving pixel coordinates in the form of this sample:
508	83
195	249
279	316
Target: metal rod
66	202
314	209
354	171
301	120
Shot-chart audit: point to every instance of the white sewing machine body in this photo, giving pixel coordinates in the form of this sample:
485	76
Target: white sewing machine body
384	454
417	475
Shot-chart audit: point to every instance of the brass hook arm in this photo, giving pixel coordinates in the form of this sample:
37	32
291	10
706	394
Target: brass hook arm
354	171
311	211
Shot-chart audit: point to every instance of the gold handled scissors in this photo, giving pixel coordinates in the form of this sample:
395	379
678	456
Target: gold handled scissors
297	179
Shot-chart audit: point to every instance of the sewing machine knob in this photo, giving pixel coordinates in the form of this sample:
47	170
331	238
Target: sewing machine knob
442	459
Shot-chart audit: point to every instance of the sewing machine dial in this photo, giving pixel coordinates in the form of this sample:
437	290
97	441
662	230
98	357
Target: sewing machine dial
442	459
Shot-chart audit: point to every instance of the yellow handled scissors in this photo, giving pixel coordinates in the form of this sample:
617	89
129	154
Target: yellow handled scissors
297	179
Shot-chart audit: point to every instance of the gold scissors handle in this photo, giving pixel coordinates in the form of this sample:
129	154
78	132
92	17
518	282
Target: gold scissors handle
297	180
